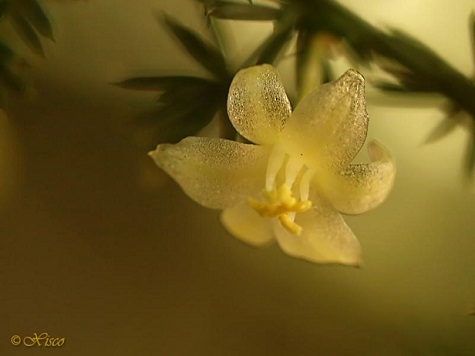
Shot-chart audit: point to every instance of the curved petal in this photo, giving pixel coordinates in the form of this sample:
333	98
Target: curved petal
329	126
325	237
216	173
258	106
247	225
361	187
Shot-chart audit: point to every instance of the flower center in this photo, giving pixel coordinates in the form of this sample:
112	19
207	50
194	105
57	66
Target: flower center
279	201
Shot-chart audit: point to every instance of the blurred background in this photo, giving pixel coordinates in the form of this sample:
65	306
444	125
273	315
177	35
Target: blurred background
100	247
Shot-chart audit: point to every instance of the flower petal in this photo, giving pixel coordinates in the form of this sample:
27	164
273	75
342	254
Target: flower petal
329	126
247	225
257	104
361	187
325	237
216	173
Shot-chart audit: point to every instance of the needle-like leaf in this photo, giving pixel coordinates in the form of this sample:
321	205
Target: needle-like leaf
182	116
27	33
196	120
190	94
185	104
36	16
445	127
204	53
271	48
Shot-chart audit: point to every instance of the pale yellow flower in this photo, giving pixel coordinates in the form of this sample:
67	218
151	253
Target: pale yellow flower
293	183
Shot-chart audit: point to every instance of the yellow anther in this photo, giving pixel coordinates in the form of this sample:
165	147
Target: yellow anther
290	225
278	203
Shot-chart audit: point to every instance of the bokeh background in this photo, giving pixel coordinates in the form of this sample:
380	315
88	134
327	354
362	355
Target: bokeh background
99	247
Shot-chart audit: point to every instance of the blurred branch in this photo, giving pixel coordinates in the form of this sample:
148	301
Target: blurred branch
422	69
416	67
316	24
185	104
427	69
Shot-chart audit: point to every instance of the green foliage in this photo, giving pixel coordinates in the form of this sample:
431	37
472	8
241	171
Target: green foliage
191	102
31	24
186	104
418	70
34	14
27	33
9	80
270	49
445	127
204	53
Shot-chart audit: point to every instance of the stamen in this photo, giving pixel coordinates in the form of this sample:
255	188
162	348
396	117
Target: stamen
276	159
278	200
292	170
305	184
290	225
280	203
